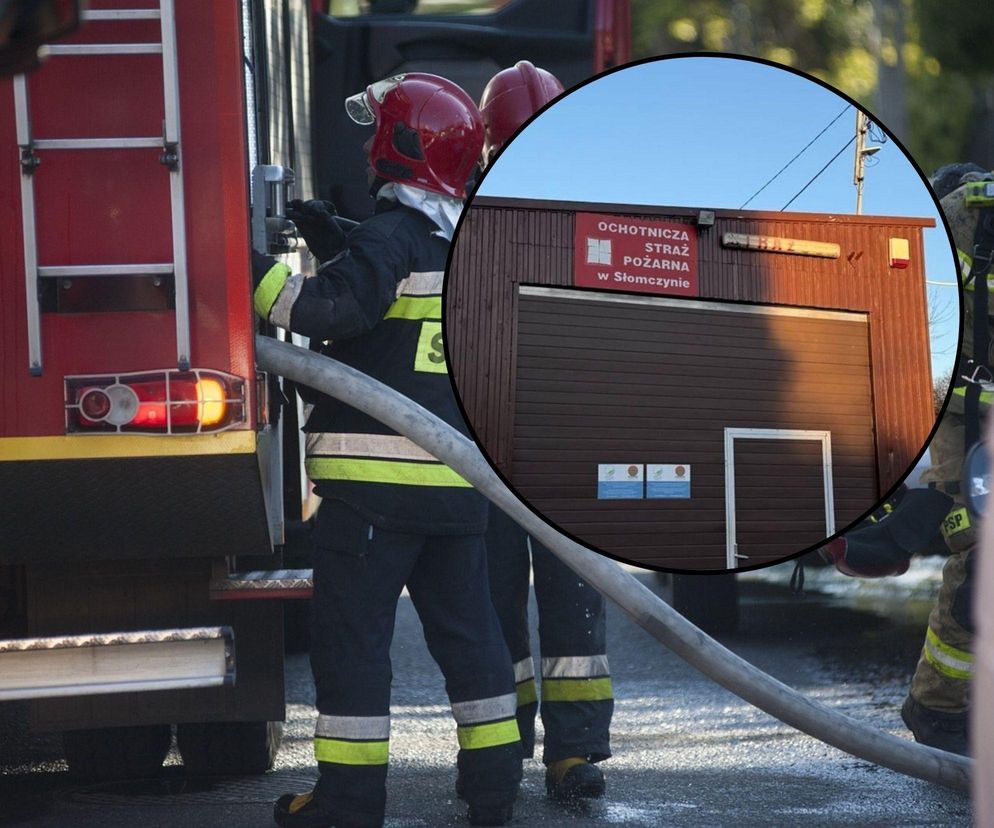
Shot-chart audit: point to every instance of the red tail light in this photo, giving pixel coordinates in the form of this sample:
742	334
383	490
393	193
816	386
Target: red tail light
155	402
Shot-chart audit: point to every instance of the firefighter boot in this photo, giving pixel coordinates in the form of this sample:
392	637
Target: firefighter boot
497	815
484	807
574	778
882	549
305	811
480	815
946	731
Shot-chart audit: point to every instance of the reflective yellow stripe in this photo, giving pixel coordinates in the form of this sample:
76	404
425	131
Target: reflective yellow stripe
352	728
527	694
958	520
986	397
416	307
946	659
966	265
383	471
524	669
592	666
351	753
430	356
953	652
374	446
421	283
489	709
99	446
598	689
474	737
269	288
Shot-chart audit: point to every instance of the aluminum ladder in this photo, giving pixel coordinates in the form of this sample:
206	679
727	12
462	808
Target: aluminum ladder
169	142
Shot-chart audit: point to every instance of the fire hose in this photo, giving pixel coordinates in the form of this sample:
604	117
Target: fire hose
644	607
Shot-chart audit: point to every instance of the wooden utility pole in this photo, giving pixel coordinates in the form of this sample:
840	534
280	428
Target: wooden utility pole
862	128
857	176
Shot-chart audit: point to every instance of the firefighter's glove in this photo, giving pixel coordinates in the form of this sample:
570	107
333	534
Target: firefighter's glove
261	265
315	219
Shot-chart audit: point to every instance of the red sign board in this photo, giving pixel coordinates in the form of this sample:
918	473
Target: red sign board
638	254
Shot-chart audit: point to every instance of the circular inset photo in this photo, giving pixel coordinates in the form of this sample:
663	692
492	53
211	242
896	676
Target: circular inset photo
686	312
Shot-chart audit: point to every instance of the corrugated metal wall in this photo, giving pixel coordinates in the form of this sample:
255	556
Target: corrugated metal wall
507	242
608	378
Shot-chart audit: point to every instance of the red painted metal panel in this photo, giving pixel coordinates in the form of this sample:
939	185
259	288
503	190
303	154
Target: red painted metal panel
646	256
612	33
85	96
112	206
102	207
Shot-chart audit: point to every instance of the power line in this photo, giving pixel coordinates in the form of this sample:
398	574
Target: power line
818	173
792	160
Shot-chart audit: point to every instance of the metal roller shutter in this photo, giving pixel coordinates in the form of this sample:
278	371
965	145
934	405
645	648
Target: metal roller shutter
616	379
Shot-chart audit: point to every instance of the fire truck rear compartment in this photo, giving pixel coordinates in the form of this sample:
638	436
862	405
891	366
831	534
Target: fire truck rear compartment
132	508
102	596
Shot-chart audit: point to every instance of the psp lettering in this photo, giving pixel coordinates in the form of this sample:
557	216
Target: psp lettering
437	354
430	353
955	522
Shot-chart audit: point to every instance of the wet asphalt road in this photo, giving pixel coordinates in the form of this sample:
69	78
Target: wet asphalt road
687	752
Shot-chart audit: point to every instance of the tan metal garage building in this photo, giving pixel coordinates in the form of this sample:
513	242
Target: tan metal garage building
691	389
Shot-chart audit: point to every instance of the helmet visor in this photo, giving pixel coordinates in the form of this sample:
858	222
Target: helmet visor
359	110
358	107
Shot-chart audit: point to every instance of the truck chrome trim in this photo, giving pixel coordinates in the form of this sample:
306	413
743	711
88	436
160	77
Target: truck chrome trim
74	271
120	14
88	49
23	116
275	583
171	139
118	662
269	204
97	143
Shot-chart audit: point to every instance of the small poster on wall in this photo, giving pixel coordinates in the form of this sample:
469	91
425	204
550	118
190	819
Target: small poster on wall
667	480
620	481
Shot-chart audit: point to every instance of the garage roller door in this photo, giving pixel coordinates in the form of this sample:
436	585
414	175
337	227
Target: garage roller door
615	379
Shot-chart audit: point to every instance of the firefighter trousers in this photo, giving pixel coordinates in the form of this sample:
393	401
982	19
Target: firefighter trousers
942	678
576	693
359	573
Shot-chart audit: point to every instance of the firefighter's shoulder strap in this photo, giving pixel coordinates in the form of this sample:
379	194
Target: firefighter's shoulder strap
983	258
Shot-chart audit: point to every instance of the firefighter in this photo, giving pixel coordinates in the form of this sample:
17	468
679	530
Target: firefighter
936	707
392	515
577	700
509	99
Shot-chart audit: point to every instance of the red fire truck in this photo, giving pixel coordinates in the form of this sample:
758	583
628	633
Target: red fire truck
143	458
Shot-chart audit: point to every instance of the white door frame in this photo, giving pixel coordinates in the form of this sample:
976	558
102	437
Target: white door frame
731	546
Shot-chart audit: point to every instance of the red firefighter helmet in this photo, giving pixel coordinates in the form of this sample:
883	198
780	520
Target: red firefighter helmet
511	98
428	131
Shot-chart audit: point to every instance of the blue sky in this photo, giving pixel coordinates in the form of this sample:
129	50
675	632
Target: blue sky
709	132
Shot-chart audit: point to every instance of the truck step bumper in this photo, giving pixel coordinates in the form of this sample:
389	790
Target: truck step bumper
120	662
274	583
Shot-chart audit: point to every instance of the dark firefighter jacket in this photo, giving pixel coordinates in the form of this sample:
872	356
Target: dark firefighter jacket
378	306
